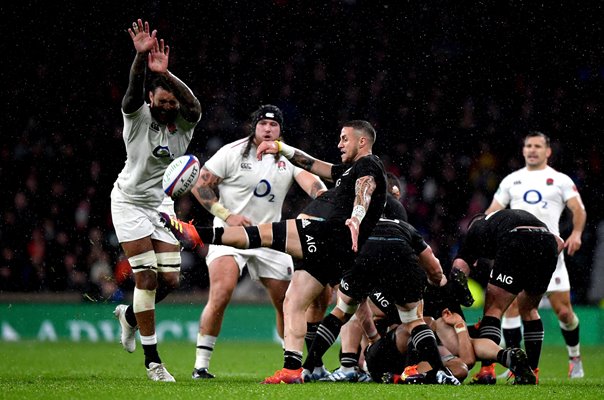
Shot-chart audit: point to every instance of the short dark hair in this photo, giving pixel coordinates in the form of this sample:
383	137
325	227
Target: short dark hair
364	127
532	134
159	81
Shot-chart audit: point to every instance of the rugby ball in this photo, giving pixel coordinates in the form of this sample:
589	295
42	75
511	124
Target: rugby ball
181	175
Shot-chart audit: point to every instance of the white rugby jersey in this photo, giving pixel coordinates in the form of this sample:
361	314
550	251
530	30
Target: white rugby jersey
543	193
150	147
255	189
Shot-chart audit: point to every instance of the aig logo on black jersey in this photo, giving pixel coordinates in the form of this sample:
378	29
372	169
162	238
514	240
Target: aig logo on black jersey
246	166
503	278
311	245
379	298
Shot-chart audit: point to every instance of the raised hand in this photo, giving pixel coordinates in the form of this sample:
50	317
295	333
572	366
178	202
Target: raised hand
141	38
158	57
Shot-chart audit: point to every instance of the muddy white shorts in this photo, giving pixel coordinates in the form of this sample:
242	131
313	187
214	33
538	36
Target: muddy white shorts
133	222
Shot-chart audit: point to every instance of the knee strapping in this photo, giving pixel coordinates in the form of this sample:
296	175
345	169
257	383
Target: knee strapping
253	237
408	316
279	236
143	300
143	261
346	308
168	259
168	262
572	325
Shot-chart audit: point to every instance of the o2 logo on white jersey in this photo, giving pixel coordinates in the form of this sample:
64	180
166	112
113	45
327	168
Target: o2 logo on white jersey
534	197
162	152
263	189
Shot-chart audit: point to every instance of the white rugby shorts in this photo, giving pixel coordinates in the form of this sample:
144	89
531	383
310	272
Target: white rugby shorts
560	281
133	222
261	262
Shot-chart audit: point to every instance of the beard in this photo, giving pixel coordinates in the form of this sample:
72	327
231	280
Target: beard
164	116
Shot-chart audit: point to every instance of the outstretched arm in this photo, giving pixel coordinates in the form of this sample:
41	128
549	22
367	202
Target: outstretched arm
364	188
205	193
297	157
143	42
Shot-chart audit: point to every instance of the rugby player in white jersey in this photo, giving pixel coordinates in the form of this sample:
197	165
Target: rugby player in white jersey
154	133
545	192
250	192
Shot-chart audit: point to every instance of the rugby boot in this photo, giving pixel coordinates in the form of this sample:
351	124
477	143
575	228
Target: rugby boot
575	368
285	375
486	376
185	232
519	366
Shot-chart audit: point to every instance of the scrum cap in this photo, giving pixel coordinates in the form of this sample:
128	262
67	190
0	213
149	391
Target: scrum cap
268	111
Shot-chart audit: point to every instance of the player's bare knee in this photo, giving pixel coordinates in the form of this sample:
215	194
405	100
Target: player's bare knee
170	281
565	315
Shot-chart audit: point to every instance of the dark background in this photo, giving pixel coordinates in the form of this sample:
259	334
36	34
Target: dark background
452	87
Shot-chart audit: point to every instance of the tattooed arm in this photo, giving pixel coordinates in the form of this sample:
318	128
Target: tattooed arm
364	188
205	192
297	157
310	183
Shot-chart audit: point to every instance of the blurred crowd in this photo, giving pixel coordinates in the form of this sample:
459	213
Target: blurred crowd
451	92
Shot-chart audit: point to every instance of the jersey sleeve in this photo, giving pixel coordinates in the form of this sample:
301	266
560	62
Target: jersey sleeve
133	122
218	164
185	126
568	188
418	244
368	167
296	170
502	195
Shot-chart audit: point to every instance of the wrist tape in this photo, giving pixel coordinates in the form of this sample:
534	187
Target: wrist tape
460	327
218	210
359	212
287	150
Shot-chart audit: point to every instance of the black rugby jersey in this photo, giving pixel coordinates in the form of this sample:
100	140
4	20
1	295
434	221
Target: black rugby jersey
345	177
399	231
485	235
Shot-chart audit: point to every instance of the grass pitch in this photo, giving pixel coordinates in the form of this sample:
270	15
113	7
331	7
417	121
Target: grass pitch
67	370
